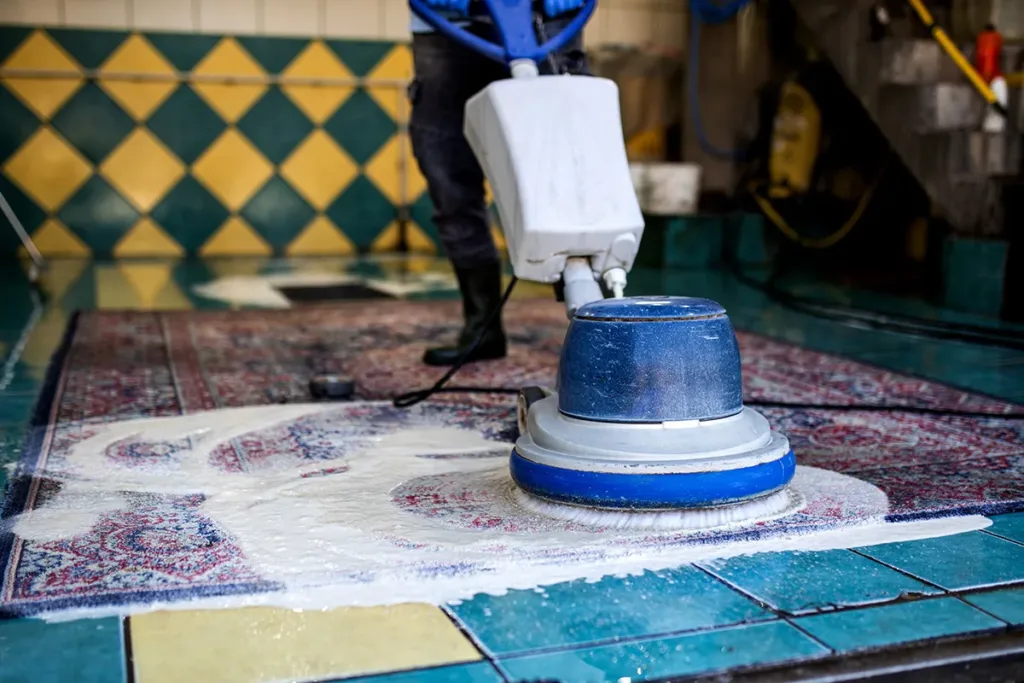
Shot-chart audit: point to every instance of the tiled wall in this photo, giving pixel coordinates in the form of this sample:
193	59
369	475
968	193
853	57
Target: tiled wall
134	128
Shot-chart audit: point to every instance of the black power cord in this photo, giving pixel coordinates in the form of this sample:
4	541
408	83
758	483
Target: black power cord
875	408
409	399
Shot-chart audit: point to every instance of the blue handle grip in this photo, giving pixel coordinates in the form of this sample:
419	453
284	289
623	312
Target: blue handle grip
514	21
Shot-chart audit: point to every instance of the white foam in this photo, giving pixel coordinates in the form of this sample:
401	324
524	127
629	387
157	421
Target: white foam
341	539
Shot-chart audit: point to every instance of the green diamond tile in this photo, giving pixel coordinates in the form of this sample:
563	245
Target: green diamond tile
273	54
88	47
189	214
275	125
361	211
17	123
422	211
81	296
183	50
93	123
186	124
360	126
27	211
98	215
360	56
278	213
11	38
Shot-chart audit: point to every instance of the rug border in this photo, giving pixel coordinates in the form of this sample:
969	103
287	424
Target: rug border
32	446
40	427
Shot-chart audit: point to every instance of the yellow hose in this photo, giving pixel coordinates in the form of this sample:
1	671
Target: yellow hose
829	240
957	56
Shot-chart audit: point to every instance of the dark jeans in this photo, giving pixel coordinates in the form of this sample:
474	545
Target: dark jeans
446	75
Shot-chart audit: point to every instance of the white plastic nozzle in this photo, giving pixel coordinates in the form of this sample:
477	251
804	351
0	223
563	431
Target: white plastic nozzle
524	68
580	286
615	280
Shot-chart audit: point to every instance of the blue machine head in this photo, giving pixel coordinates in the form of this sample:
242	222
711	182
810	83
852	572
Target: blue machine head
514	21
650	359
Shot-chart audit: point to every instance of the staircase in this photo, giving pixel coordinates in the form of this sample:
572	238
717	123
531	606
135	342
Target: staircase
929	112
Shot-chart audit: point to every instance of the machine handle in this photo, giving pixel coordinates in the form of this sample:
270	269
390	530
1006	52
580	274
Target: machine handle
514	21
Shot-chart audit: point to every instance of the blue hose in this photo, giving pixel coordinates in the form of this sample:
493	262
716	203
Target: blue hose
708	12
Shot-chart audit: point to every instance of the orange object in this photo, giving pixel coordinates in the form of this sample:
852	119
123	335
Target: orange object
988	54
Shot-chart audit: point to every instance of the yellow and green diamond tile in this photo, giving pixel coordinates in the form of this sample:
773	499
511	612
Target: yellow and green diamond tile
171	144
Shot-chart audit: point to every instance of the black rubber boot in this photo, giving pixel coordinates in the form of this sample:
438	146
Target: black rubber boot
481	294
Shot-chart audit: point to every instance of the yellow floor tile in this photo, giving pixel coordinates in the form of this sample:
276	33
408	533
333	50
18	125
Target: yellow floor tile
263	644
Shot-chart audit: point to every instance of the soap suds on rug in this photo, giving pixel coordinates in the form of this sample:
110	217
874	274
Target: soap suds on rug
386	506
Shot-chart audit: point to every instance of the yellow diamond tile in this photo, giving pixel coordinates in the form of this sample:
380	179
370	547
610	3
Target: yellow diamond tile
393	100
47	335
54	240
232	169
57	280
317	61
389	239
228	59
230	100
238	266
386	171
137	55
319	169
153	286
147	239
41	53
417	240
262	644
138	99
142	169
48	169
44	95
499	238
235	238
318	102
320	238
113	292
396	66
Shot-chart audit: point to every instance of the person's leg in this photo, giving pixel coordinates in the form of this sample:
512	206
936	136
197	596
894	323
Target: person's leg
446	76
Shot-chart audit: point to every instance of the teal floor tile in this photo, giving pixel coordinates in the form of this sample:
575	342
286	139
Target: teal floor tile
578	612
1005	603
477	672
958	562
16	408
812	581
1008	526
83	651
690	654
897	623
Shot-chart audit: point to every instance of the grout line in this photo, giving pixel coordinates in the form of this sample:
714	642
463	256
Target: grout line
905	572
260	6
129	654
195	12
62	13
982	610
129	14
742	591
477	643
792	622
1001	537
321	18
